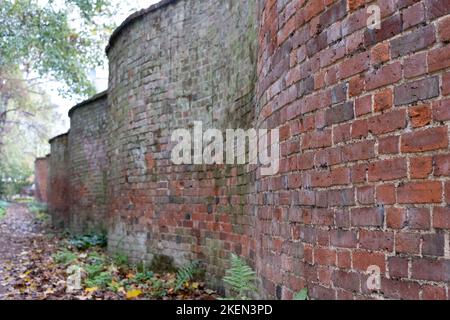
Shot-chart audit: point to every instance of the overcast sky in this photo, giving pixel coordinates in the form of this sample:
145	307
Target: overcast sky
101	74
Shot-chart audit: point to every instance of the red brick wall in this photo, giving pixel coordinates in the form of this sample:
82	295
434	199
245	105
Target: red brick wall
41	167
365	154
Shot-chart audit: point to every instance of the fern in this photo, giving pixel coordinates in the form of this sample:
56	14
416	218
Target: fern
240	278
186	274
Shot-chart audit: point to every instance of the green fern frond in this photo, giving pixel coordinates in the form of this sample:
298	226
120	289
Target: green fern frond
240	278
186	274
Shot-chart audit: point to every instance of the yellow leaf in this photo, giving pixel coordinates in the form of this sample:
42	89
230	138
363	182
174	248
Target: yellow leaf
89	290
133	294
195	285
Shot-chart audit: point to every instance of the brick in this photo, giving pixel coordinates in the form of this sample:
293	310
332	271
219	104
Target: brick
425	140
444	29
437	8
413	15
432	270
415	65
346	280
420	167
389	145
363	259
384	76
343	239
356	85
396	289
446	83
355	4
380	53
431	292
359	129
365	217
339	113
344	259
366	195
358	151
420	116
363	105
433	244
407	243
442	165
438	59
413	41
325	256
385	194
354	65
386	170
387	122
419	218
441	218
383	100
390	27
441	110
416	91
376	240
396	218
398	267
420	192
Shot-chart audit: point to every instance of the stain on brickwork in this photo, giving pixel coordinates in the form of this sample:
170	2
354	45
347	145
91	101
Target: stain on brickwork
363	118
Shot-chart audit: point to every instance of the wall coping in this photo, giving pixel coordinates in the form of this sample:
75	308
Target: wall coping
94	98
133	18
58	137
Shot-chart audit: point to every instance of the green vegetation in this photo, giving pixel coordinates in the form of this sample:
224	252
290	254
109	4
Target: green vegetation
186	274
301	295
88	241
64	257
240	279
3	206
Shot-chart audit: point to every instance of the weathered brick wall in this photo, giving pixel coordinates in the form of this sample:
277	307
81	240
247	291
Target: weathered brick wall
41	167
58	187
88	165
179	62
364	176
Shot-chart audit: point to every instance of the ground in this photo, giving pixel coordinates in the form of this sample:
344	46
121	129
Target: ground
36	263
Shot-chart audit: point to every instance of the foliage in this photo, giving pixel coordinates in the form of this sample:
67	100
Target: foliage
3	206
120	259
240	278
87	241
301	295
64	257
185	274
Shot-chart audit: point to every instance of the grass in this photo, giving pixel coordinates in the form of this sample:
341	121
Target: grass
3	206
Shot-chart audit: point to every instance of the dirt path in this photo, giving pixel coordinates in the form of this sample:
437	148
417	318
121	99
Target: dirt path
18	235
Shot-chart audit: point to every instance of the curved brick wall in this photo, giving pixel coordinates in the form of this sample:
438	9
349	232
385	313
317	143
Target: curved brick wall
364	176
175	63
58	187
87	170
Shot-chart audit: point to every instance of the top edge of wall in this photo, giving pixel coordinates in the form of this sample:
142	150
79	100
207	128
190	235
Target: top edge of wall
134	17
58	137
94	98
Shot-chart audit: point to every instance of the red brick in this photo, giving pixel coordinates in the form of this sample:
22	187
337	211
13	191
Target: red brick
389	145
420	167
383	100
366	195
386	170
325	256
358	151
433	245
416	91
396	218
359	129
340	113
425	140
415	65
413	15
431	292
444	29
363	105
341	133
446	83
389	28
346	280
354	65
376	240
438	59
356	86
343	239
442	165
344	259
420	116
419	218
407	243
432	270
441	217
363	259
396	289
388	122
367	217
386	194
380	53
387	74
437	8
441	110
324	275
420	192
355	4
359	173
398	267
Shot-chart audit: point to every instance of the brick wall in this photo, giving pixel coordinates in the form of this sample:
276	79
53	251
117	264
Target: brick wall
88	165
41	167
363	118
58	187
181	61
364	178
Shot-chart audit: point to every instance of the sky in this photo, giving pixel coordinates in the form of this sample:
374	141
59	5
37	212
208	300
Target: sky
101	74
